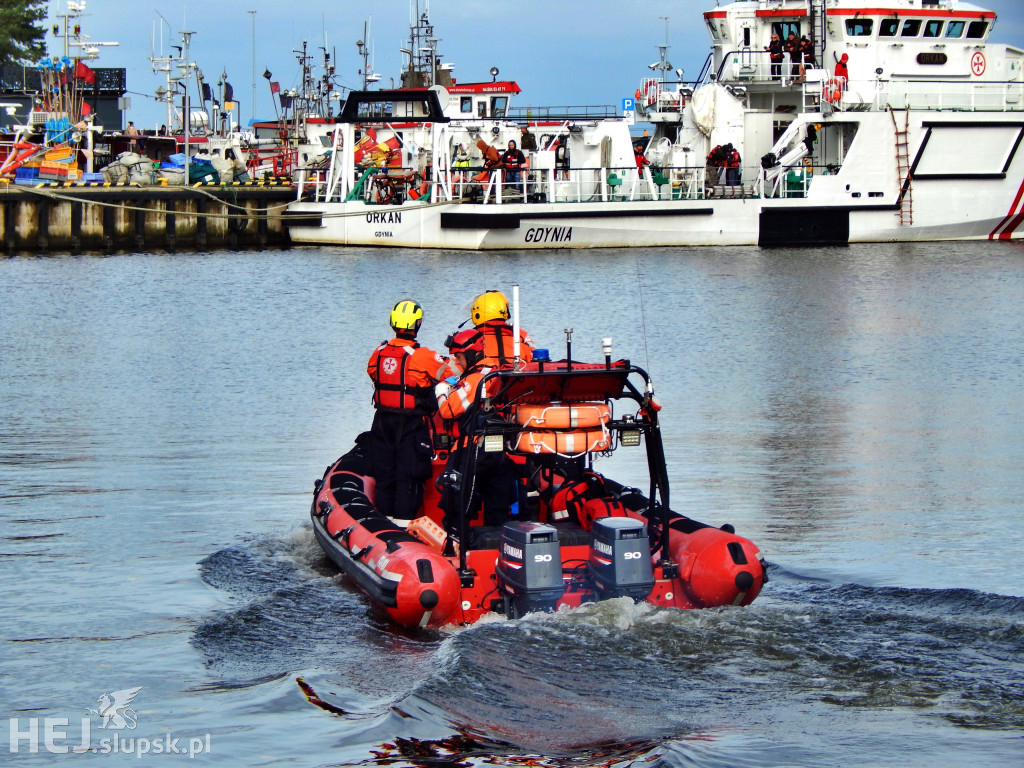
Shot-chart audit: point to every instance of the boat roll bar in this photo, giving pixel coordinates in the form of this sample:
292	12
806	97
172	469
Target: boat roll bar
543	382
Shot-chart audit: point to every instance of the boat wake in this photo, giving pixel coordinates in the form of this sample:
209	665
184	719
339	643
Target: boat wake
613	682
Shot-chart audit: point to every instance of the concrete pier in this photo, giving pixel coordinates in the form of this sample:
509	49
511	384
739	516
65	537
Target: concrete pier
79	218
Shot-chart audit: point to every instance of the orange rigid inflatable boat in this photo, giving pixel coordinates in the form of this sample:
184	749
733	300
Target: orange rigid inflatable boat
574	537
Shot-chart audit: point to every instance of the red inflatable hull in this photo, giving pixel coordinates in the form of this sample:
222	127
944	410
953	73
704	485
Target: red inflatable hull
419	586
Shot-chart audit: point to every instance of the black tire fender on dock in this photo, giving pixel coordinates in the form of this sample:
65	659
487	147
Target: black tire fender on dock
238	223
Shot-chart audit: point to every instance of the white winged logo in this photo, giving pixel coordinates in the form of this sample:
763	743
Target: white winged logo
114	709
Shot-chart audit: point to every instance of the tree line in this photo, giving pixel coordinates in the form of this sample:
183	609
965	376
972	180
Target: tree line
22	31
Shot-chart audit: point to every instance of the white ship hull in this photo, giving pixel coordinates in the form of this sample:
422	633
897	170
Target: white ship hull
933	151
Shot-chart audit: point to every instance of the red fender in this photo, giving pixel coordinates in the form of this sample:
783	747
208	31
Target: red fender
428	591
715	568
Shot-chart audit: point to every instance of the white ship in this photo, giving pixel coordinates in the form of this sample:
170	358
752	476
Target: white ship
919	140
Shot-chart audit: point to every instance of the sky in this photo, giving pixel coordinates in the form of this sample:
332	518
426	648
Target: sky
560	52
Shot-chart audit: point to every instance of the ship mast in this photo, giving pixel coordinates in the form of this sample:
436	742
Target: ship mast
422	70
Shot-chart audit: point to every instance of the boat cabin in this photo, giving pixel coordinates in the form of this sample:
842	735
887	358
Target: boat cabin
912	39
481	101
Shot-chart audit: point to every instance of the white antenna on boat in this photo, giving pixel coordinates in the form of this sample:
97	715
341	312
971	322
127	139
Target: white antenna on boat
518	364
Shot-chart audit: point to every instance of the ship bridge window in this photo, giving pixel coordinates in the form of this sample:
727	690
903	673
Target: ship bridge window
888	27
933	28
713	28
977	29
859	27
466	105
498	106
911	27
954	29
784	28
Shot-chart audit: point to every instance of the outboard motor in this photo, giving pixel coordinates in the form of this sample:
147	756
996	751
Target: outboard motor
529	567
620	558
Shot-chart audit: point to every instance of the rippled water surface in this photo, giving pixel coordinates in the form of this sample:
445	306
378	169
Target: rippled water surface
856	412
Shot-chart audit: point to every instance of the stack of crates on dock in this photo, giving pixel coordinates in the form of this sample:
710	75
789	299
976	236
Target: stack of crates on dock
28	174
59	164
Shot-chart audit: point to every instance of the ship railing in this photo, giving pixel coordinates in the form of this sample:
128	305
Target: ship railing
562	113
755	65
575	185
603	185
1002	96
794	181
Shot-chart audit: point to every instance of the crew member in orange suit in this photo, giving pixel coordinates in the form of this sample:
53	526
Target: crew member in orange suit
489	315
494	480
404	375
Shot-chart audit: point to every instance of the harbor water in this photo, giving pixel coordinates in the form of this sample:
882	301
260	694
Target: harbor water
856	412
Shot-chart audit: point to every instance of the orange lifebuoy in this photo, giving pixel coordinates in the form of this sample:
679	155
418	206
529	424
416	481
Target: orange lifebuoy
562	443
831	90
564	416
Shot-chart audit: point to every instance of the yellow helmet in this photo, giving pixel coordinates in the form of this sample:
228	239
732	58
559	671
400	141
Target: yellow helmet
490	305
406	316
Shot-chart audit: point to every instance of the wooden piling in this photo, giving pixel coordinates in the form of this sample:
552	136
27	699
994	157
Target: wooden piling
79	218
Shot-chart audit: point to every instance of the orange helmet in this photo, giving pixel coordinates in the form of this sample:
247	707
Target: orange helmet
490	305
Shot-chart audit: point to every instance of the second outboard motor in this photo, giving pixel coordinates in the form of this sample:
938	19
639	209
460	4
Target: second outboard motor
529	567
620	558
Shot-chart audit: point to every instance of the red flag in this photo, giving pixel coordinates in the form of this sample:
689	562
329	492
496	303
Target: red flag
86	109
83	72
275	87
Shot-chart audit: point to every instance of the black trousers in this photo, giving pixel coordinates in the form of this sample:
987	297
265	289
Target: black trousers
493	487
400	452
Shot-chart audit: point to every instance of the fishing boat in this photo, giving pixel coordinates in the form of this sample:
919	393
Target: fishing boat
919	139
575	536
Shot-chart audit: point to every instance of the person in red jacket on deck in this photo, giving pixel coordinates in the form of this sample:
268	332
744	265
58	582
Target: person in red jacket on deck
404	375
489	315
842	72
514	160
640	158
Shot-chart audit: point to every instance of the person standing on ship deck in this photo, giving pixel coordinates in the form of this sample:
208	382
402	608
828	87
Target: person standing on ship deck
527	142
513	160
795	55
842	72
775	53
807	56
732	166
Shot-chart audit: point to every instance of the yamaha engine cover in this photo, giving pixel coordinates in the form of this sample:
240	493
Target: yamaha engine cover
529	567
620	558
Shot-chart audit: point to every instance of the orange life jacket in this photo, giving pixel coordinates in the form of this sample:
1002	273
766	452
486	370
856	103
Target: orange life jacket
498	346
395	389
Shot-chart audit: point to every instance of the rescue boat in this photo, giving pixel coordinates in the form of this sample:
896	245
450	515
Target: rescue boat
575	536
